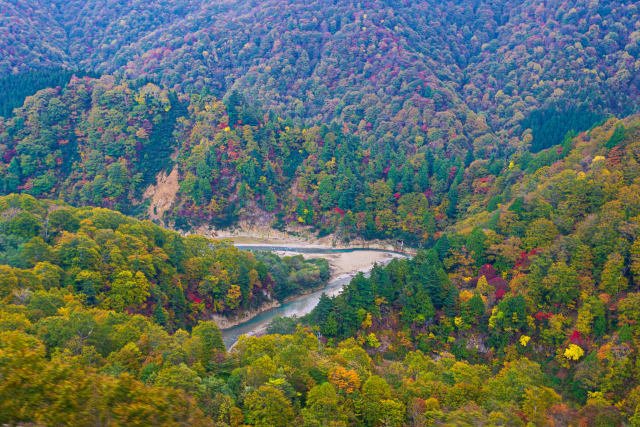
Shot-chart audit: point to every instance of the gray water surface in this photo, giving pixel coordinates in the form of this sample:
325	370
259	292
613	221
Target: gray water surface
299	306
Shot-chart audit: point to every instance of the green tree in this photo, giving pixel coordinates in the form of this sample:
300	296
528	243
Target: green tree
561	285
270	200
612	279
392	413
476	243
127	291
374	391
268	406
540	233
34	251
179	376
63	220
537	400
208	342
323	407
635	260
513	380
617	136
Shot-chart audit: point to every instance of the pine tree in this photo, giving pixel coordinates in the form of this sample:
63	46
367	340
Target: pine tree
323	309
442	246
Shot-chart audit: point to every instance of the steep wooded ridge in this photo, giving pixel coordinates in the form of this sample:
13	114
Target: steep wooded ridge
552	273
102	142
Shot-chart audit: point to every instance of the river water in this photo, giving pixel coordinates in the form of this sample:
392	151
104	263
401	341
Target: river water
299	306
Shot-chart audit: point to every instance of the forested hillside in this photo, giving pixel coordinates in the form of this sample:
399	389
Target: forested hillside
525	313
114	262
16	87
458	74
499	139
419	103
551	274
103	142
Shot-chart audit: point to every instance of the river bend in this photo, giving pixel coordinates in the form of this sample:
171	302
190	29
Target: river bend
299	306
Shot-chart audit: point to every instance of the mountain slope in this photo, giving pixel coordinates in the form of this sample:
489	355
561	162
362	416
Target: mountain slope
104	141
525	312
552	273
391	71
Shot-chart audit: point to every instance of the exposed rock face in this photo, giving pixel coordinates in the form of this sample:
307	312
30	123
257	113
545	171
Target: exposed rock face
162	195
229	322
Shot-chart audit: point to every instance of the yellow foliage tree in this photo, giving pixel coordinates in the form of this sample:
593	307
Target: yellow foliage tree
233	296
573	352
345	380
483	287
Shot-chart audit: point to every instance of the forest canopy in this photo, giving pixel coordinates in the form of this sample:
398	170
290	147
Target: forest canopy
526	315
499	141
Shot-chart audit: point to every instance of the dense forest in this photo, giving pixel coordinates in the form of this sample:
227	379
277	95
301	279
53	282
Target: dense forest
458	74
523	313
500	141
354	119
114	262
104	142
16	87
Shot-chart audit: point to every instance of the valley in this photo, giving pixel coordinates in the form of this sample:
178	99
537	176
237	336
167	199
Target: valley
381	213
343	263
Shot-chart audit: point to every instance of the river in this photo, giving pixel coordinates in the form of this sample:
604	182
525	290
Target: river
299	306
